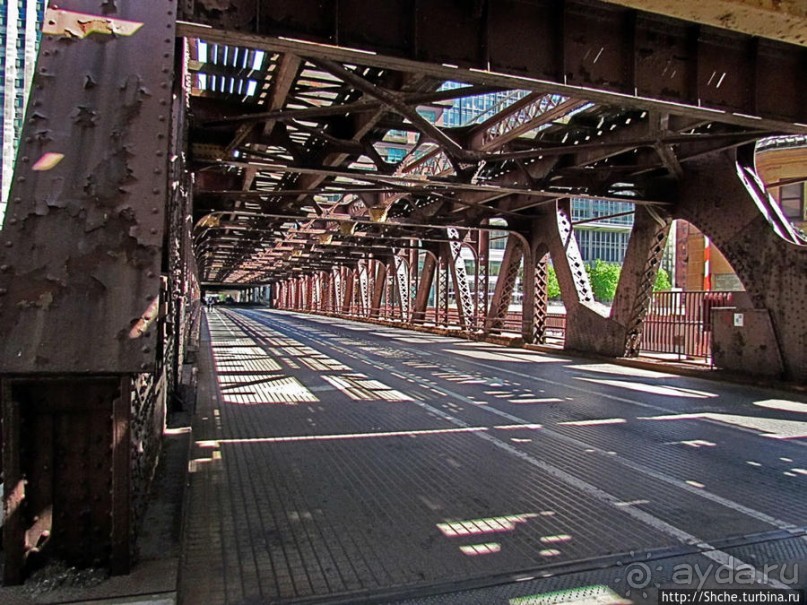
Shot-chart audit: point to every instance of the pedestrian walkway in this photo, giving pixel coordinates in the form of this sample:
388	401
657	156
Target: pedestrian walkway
353	464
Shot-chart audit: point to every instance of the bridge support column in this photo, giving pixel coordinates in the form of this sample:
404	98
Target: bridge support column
505	284
459	278
402	292
349	286
639	270
589	325
424	287
326	291
379	286
83	255
721	196
540	298
482	275
556	225
63	429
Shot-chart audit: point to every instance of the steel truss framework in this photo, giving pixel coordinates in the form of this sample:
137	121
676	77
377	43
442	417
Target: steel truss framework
259	155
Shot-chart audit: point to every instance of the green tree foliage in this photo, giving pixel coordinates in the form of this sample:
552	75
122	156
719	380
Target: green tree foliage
552	286
662	281
604	279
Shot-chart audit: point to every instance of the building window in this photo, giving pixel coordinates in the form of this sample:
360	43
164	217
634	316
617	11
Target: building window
791	199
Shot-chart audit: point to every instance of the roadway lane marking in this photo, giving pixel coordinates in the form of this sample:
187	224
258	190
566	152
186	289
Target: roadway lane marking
678	483
707	550
595	492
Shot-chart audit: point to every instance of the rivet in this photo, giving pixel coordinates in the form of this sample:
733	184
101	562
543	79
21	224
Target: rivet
9	244
155	210
154	232
5	268
25	159
3	291
155	191
157	171
159	154
146	349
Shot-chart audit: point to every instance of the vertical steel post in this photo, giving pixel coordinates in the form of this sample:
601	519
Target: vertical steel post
121	480
14	488
505	284
424	287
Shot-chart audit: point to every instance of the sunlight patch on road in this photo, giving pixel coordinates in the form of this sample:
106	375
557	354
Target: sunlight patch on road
783	404
652	389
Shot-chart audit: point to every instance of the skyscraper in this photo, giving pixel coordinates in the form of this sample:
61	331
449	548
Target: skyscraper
19	40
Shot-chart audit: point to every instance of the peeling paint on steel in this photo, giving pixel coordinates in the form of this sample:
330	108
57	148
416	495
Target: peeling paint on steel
82	243
79	25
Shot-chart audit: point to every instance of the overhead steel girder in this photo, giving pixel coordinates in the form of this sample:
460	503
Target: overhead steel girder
784	20
580	48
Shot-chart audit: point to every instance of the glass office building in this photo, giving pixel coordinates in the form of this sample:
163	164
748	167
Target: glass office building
19	39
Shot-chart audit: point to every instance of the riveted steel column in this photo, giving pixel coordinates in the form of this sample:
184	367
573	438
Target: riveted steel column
349	286
363	277
402	287
14	490
121	470
82	255
483	273
424	287
505	284
379	286
540	302
588	326
721	196
642	261
84	230
462	292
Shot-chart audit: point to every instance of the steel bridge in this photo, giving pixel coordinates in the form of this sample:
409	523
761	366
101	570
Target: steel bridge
174	146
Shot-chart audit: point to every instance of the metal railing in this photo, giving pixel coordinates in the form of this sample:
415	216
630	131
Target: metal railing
680	323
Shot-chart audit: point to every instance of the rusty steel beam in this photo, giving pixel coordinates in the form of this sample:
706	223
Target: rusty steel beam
84	231
578	48
784	20
315	113
393	102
